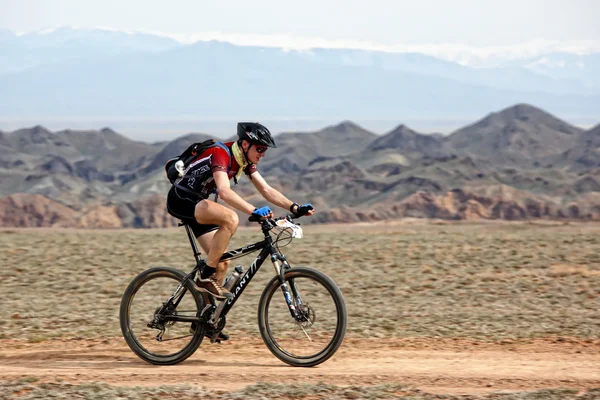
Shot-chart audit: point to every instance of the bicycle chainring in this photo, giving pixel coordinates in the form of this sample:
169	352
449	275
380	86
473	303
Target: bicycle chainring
221	324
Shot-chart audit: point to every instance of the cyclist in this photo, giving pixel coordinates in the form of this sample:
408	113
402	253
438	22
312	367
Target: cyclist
212	223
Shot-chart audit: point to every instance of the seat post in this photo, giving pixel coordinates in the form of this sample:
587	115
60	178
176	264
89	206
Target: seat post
193	243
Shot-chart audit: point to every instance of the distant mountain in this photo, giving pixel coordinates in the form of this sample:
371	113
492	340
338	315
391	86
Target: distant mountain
566	66
591	138
295	151
520	162
39	211
110	151
97	73
39	141
408	142
514	77
521	135
585	155
71	166
63	45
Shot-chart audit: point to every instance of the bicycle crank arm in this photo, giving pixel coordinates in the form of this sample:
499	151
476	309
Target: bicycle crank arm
180	318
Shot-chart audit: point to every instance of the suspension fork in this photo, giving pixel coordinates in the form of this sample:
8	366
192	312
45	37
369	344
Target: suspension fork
292	281
281	269
296	292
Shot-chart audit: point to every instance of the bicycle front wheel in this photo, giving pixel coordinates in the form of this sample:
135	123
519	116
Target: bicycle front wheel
160	316
318	329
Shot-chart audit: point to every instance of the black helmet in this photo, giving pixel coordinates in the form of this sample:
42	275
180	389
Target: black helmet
255	133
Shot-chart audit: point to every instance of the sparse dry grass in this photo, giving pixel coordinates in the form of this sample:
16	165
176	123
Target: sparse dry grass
563	270
482	281
100	391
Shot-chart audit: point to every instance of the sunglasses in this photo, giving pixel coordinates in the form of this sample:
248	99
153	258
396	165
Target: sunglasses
261	149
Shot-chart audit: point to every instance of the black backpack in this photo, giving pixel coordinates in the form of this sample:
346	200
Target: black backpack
189	155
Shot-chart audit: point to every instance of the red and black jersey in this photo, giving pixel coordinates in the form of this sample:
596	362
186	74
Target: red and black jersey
198	176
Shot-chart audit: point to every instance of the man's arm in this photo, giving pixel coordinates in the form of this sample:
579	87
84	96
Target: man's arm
229	196
271	195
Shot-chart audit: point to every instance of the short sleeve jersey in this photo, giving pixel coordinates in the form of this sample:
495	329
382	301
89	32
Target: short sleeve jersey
198	176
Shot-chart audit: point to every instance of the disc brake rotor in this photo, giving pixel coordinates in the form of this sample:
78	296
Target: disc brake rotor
307	316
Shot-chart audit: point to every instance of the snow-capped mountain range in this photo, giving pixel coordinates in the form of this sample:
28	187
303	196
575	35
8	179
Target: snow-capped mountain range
96	72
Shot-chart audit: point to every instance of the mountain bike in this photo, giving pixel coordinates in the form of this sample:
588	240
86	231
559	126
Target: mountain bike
302	315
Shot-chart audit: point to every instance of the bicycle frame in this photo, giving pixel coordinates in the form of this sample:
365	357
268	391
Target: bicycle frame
266	246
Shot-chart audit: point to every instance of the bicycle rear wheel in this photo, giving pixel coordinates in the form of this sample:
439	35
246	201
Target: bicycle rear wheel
317	333
147	312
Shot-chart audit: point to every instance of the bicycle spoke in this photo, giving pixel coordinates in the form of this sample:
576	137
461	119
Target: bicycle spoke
307	335
177	338
312	335
148	299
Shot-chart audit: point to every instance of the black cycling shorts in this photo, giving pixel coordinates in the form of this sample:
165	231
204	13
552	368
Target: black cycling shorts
182	205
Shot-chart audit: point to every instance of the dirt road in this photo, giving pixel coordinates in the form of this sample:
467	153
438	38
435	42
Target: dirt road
435	365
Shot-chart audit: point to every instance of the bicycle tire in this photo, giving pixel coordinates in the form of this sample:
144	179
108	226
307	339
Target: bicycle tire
341	323
124	317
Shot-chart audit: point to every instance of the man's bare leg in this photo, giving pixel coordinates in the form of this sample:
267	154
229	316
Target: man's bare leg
209	212
205	242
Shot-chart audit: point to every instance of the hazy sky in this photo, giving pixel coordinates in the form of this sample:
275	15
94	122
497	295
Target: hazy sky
393	22
471	32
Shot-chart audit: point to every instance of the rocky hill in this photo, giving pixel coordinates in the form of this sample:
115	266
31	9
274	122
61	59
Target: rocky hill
585	154
521	135
518	163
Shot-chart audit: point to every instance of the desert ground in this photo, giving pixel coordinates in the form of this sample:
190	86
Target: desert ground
437	310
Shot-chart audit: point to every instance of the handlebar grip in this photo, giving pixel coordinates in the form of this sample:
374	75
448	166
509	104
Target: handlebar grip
253	218
289	217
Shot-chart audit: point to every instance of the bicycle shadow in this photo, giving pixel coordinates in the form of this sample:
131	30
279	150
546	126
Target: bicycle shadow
100	360
209	363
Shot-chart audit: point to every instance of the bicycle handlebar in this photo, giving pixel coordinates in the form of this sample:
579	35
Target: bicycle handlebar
272	221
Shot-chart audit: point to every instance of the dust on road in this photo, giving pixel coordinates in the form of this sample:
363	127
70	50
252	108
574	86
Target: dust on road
436	365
